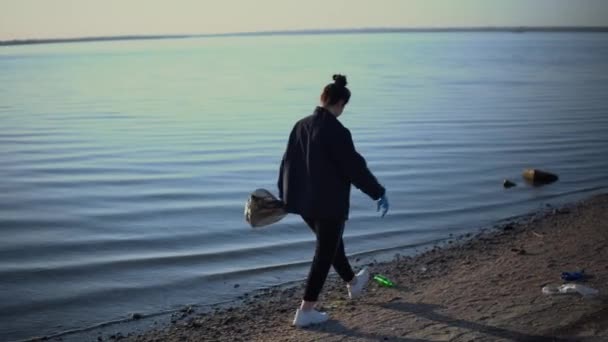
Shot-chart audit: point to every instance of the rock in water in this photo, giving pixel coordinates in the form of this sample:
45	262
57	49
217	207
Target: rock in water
136	316
539	177
508	184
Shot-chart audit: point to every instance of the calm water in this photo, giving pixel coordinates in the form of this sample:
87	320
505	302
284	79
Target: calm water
125	165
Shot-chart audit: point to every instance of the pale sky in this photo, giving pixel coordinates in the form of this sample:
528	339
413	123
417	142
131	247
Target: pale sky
21	19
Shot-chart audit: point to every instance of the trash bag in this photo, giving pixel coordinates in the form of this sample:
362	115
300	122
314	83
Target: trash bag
263	208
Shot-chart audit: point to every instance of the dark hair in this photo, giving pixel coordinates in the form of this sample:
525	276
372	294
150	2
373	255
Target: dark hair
336	91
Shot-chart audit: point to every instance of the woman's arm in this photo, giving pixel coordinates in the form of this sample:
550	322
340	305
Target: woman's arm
353	165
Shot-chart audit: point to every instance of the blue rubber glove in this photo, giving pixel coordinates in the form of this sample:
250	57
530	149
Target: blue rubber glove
383	203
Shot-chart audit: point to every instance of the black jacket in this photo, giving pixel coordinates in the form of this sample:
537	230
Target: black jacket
318	167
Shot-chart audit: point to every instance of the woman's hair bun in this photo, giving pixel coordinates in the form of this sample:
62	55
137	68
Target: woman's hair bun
340	80
336	91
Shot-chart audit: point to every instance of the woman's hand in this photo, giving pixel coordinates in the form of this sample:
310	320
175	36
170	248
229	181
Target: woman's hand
383	204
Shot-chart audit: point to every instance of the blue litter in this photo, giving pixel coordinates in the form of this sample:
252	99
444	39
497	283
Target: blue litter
573	276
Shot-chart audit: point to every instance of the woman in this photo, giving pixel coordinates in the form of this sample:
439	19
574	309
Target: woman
317	170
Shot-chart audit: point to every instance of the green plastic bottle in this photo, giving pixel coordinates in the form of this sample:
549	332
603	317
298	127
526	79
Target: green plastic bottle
383	281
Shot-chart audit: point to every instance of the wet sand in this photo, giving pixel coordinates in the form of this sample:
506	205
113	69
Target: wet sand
483	288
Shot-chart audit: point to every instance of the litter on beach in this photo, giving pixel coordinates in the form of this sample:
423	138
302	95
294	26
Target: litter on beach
585	291
573	276
383	281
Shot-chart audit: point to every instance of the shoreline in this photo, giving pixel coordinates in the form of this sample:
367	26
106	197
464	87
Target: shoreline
456	265
485	286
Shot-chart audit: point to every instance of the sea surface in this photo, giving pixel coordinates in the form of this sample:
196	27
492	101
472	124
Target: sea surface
125	166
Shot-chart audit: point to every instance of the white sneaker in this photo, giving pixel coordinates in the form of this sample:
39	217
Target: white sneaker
362	279
306	318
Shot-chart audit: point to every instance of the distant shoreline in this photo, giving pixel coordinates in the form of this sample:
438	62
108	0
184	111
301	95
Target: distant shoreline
596	29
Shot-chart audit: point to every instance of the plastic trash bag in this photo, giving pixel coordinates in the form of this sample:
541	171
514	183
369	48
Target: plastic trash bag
263	208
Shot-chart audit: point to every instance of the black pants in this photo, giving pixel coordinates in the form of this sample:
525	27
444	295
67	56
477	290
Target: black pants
329	251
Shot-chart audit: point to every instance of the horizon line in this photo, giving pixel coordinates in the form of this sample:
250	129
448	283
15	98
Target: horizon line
515	29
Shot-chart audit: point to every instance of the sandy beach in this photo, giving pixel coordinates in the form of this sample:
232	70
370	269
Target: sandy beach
483	288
